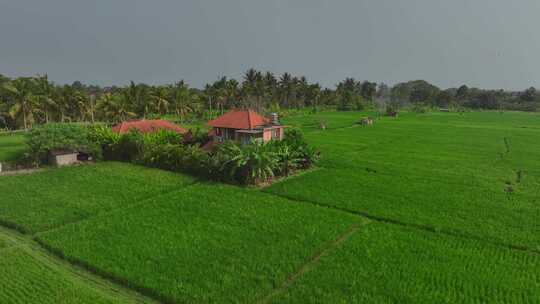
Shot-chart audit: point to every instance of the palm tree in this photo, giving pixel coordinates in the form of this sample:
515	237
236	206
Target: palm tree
302	89
71	103
160	99
251	86
183	100
232	93
137	96
285	88
24	101
259	91
313	94
45	91
115	108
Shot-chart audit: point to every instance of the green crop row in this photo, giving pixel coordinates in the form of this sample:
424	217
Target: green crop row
391	264
52	198
25	279
204	243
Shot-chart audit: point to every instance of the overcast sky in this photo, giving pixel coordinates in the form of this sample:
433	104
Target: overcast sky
485	43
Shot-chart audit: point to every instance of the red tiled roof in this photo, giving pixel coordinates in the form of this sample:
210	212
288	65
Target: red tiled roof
239	119
147	126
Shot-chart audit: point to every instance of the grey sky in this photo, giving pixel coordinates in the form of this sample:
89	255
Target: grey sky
485	43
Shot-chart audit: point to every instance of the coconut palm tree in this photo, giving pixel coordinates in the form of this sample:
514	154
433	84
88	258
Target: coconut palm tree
137	96
232	93
183	100
160	99
285	88
24	101
45	92
70	103
115	108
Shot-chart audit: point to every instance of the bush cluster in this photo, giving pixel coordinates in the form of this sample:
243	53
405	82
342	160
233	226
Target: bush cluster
59	137
230	162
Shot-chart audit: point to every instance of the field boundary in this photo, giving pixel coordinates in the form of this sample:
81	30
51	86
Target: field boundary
76	273
114	210
312	262
422	227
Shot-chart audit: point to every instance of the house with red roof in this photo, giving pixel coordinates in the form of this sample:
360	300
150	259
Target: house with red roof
245	126
147	126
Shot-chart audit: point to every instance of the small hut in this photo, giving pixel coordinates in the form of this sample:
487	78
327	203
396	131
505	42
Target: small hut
366	121
61	158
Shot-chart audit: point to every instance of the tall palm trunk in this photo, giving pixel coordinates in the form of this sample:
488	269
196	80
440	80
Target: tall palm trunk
24	118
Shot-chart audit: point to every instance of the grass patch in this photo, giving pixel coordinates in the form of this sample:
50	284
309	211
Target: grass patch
25	279
205	243
391	264
52	198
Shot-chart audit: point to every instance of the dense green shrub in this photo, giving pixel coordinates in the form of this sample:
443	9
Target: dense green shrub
197	136
105	138
304	155
129	146
176	158
248	164
162	137
59	137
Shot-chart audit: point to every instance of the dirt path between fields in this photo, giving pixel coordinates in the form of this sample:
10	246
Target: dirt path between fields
77	274
311	263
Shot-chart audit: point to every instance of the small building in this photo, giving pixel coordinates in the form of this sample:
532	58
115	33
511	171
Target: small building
245	126
366	121
61	158
148	126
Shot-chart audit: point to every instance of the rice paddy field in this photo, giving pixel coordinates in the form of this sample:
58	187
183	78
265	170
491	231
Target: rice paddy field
423	208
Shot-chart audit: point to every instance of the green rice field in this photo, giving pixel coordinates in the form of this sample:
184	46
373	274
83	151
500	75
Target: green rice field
423	208
49	199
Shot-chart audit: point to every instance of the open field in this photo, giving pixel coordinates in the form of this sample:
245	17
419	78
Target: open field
206	243
28	274
460	174
392	264
55	197
425	208
11	146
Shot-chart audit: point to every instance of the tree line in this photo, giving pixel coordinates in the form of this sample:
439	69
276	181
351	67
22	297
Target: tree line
27	101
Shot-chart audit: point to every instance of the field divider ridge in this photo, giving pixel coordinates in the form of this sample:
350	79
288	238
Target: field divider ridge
312	262
422	227
140	202
35	250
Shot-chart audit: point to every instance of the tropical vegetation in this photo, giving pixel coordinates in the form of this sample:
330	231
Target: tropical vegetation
28	101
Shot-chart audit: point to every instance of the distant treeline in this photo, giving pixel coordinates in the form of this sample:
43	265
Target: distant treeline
27	101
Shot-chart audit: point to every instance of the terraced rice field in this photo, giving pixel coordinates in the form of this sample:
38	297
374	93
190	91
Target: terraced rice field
425	208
